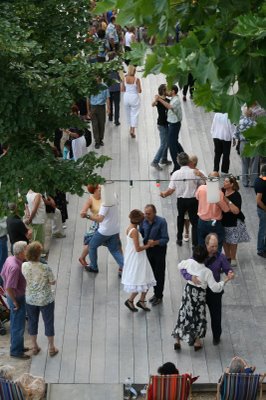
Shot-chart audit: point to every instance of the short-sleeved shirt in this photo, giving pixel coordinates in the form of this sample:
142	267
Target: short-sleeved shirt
38	277
175	114
162	113
229	218
184	182
260	187
111	33
12	276
100	98
110	225
16	229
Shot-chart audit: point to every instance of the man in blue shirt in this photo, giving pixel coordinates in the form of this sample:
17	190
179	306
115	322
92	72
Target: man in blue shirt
96	108
154	230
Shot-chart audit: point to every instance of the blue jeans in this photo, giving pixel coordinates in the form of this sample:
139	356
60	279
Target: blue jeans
17	326
261	242
3	253
173	143
162	151
114	246
206	227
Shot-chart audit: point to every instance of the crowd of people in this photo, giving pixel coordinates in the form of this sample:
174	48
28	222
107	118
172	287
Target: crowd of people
215	225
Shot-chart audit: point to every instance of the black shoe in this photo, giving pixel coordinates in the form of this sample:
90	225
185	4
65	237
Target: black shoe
110	118
21	356
216	341
141	304
166	162
97	145
262	254
88	268
101	143
130	305
117	123
156	301
152	298
179	242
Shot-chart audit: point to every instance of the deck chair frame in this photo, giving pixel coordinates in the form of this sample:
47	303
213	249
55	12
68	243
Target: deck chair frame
182	392
232	392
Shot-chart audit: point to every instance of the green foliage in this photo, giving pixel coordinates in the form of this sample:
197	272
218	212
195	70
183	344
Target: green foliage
223	46
43	71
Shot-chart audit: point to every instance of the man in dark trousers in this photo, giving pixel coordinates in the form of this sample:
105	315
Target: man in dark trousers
154	230
16	228
217	263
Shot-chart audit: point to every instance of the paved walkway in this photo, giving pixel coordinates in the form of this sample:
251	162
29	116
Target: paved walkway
100	341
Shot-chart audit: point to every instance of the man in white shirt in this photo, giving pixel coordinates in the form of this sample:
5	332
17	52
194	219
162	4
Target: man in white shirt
108	234
185	183
222	133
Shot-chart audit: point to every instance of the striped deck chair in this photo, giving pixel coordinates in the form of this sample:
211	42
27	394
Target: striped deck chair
240	386
10	390
169	387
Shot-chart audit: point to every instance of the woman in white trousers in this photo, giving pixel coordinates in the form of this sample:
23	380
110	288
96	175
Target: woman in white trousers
132	88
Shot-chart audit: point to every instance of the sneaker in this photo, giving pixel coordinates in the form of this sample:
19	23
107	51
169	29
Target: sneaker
64	226
156	302
156	166
59	235
233	263
166	162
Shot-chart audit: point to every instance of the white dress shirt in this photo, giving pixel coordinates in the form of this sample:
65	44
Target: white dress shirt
187	188
222	128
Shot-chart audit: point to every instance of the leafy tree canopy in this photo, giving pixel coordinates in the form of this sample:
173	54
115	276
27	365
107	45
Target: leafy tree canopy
224	48
43	71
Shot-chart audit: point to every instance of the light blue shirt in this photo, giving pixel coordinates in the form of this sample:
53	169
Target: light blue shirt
174	114
100	98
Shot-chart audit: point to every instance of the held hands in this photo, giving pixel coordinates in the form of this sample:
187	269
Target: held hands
151	243
229	277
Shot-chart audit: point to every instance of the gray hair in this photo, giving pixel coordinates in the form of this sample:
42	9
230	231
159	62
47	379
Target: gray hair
19	247
209	236
183	159
236	366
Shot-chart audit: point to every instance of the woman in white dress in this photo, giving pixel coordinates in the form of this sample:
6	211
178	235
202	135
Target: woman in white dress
132	88
137	276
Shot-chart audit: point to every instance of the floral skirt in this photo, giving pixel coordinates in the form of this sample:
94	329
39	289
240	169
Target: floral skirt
236	234
191	321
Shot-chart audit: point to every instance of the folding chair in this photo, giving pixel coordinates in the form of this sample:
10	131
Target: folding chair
240	386
10	390
170	387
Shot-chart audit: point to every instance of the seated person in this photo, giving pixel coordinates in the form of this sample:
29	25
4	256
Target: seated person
239	365
168	368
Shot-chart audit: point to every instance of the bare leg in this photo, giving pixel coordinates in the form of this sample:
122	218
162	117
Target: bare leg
132	297
233	250
35	348
227	252
52	349
83	256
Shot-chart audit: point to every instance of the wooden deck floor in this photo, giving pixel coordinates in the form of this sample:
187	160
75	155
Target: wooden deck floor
100	341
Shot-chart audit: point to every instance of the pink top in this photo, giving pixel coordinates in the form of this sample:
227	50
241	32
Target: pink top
12	276
210	211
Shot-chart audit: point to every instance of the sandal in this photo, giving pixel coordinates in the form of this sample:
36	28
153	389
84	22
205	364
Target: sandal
53	352
36	350
129	304
141	304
